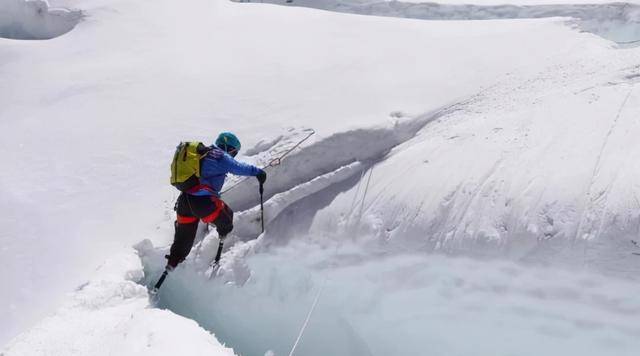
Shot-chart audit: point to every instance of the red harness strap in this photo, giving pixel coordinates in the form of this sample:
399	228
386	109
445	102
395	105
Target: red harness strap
213	216
219	205
186	219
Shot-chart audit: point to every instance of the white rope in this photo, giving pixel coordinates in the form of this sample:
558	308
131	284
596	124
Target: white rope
364	196
355	196
594	175
306	321
273	162
324	282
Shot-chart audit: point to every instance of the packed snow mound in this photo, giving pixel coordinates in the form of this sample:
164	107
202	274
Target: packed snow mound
110	315
35	20
618	21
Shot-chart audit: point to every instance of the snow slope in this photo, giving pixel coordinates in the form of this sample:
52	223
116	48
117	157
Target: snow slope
454	120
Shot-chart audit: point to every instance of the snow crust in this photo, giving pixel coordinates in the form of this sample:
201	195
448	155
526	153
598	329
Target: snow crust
35	20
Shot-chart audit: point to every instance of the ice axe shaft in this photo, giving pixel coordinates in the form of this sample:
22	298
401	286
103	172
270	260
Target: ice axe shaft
262	206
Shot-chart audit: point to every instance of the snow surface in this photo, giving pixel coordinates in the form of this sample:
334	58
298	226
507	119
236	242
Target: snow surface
500	138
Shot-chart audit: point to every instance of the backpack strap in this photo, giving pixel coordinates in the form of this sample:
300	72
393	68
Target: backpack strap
202	149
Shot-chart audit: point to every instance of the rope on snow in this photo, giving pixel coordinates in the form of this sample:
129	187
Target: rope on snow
274	162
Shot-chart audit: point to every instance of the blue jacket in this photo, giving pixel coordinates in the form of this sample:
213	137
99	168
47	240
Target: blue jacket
214	168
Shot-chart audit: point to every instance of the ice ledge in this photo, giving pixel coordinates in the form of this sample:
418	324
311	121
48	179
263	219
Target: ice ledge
111	315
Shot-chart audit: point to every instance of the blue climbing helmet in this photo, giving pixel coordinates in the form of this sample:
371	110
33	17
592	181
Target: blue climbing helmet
228	142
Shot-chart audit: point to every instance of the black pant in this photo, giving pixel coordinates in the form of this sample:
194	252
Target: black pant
190	209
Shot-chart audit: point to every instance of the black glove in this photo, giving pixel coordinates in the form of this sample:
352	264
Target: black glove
262	176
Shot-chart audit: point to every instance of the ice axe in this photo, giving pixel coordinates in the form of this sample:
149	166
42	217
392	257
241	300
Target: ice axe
262	205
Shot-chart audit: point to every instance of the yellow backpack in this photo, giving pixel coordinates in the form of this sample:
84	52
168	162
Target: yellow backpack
185	167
